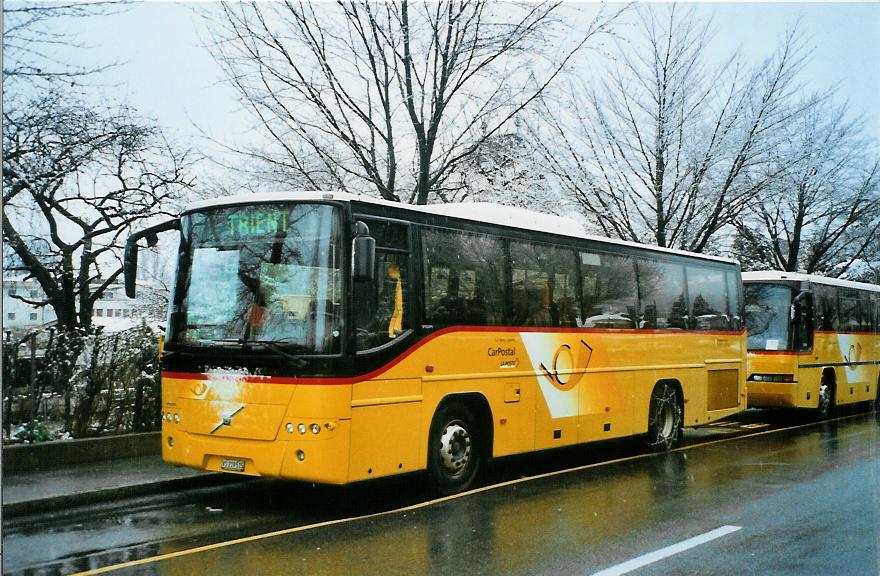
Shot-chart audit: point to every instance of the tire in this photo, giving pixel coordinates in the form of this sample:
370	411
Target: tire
826	408
455	449
875	405
664	418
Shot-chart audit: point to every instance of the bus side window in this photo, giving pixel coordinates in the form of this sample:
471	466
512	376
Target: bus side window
707	290
849	312
734	301
609	291
802	328
463	275
662	295
544	285
382	307
876	313
826	307
866	312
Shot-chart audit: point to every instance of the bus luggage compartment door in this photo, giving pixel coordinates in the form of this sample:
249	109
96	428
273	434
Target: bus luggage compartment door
722	387
385	428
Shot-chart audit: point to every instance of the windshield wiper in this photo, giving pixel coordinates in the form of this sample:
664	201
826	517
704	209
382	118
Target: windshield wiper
268	345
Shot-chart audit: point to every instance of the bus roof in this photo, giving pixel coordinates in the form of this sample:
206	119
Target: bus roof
483	212
779	275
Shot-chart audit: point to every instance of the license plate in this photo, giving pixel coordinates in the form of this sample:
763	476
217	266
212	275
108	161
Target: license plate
232	464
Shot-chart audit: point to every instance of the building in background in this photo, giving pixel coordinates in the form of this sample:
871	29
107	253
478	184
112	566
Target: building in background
18	314
114	311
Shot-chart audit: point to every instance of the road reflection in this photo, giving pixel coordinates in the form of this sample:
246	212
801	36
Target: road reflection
565	523
557	521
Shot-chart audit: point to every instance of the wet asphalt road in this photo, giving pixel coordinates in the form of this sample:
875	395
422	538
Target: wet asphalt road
805	501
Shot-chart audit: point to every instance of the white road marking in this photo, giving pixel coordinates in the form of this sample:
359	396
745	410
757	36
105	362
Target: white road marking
657	555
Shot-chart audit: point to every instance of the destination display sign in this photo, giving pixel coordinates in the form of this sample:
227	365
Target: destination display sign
259	221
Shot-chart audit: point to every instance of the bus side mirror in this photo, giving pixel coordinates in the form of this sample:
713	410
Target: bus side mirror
130	259
363	254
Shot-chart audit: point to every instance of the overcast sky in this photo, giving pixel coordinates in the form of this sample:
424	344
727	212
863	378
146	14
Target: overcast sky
166	73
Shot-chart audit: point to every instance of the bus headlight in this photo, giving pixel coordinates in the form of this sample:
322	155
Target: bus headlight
177	418
168	416
316	428
301	428
290	428
300	455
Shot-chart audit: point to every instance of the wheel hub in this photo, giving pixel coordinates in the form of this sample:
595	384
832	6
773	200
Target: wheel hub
824	399
455	448
667	421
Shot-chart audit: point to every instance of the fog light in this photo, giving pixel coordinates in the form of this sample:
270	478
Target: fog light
300	455
316	428
301	427
170	441
177	418
289	428
168	416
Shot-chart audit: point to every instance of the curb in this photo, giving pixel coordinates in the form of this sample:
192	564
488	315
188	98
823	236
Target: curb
21	458
57	503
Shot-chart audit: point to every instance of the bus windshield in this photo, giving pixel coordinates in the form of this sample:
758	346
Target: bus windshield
767	316
267	273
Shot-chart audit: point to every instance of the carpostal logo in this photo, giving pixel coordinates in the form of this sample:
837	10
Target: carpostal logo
559	364
559	373
499	351
853	355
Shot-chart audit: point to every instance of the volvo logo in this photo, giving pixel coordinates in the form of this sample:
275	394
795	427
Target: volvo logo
226	419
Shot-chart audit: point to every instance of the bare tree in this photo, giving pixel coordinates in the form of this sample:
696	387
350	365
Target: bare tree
821	211
90	177
505	170
76	177
664	149
32	42
387	98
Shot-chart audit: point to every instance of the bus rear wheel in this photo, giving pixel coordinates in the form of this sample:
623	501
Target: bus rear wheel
664	418
454	449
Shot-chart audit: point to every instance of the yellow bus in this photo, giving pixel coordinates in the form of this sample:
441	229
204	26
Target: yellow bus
813	341
334	338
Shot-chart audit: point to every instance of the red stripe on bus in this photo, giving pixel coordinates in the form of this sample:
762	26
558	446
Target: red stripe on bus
870	333
319	381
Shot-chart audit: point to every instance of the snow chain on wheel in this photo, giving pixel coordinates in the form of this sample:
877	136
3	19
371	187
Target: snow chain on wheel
664	418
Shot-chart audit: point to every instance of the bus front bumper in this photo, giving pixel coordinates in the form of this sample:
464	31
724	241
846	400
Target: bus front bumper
310	457
772	394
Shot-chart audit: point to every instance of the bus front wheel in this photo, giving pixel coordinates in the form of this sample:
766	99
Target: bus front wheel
454	449
664	418
826	406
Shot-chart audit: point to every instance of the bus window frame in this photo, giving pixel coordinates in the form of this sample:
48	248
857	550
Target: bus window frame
789	339
803	326
406	336
420	222
631	256
179	281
